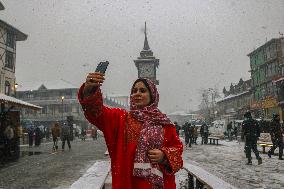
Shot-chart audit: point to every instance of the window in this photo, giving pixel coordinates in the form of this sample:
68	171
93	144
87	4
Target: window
267	52
75	108
9	61
30	96
273	50
265	71
7	88
44	110
10	42
276	69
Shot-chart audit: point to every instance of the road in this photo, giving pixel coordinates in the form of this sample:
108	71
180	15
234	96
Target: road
228	162
39	167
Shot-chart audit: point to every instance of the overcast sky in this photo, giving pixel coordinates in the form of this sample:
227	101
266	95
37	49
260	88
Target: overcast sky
200	44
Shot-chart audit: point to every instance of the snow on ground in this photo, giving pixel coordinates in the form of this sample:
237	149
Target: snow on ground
227	161
94	177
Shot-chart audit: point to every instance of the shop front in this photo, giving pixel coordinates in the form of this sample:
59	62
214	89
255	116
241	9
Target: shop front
270	106
10	129
256	109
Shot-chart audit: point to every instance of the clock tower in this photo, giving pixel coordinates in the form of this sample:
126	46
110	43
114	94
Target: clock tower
147	64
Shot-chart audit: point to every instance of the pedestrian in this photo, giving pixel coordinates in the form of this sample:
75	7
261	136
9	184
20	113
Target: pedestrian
276	136
195	134
229	130
144	148
177	127
65	135
94	133
9	135
37	134
236	132
55	131
31	135
251	132
201	131
47	133
187	136
204	133
83	134
191	134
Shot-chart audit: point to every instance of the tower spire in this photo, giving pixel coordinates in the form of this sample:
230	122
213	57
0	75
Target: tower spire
146	45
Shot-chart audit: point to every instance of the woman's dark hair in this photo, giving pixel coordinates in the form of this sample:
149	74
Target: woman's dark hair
147	86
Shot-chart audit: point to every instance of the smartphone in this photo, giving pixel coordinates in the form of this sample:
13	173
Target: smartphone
102	66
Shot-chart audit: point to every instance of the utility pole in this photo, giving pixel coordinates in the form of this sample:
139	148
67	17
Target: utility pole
62	98
211	90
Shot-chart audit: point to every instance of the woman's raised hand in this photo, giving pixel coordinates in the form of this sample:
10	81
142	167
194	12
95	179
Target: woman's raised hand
93	80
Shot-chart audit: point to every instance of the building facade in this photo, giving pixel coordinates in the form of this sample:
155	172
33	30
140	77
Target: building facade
266	63
236	100
58	105
9	36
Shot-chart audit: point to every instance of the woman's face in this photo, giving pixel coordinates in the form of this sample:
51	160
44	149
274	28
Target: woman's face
141	95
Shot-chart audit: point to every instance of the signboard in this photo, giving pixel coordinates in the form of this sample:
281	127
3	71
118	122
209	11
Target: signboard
270	102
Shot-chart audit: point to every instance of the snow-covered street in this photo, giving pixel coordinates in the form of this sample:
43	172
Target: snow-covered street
228	162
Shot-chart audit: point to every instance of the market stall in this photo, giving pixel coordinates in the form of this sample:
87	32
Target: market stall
10	126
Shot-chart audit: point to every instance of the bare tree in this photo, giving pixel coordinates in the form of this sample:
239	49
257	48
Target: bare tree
208	102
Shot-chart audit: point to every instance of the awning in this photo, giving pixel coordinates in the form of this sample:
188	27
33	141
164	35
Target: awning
16	102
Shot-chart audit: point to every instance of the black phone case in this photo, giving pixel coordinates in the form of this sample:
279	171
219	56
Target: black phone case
102	66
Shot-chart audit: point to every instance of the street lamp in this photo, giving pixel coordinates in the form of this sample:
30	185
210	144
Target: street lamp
15	88
62	98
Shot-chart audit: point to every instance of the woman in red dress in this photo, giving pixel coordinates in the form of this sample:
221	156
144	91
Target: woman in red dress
144	148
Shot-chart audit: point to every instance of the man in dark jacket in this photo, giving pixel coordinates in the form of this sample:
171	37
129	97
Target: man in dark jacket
186	129
38	136
204	133
276	136
31	130
229	130
65	133
177	127
251	132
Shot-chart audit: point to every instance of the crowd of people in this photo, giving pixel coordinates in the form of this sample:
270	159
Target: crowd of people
191	132
36	134
249	132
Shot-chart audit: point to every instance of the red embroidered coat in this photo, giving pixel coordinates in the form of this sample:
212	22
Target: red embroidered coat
121	132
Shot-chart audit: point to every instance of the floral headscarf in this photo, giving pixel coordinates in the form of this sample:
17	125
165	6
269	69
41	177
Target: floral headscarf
151	135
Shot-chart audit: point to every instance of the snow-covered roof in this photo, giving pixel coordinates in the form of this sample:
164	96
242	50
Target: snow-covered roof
279	79
16	102
232	96
20	36
116	95
181	112
53	84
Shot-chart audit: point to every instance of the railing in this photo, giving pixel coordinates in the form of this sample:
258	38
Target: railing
99	177
95	177
198	178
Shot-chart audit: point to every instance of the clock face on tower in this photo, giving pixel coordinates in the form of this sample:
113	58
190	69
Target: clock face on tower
147	70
